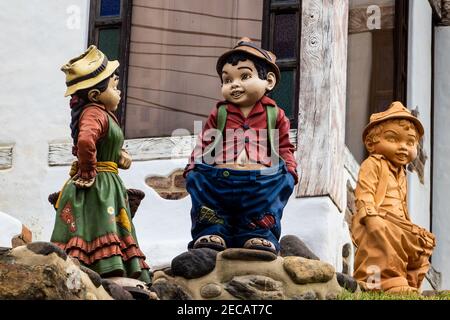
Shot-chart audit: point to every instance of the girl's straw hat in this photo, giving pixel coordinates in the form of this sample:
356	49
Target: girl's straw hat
87	70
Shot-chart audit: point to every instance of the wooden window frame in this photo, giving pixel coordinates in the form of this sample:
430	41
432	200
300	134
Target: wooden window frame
270	9
401	50
123	22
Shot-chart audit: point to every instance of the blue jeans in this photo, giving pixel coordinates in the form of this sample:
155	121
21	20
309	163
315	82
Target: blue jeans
238	205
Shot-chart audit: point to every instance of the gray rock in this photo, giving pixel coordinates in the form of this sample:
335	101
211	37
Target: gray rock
293	246
308	295
194	263
346	250
94	276
211	290
46	248
347	282
345	268
169	291
248	255
255	287
304	271
20	282
116	291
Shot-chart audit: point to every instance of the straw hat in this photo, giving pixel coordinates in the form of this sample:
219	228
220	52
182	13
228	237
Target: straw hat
87	70
246	45
395	111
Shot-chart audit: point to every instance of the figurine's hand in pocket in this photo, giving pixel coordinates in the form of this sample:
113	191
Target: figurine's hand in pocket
374	224
124	160
82	183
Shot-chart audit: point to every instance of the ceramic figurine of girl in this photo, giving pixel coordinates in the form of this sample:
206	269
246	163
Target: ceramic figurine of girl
93	219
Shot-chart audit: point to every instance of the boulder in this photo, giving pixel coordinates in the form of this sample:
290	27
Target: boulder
293	246
194	263
249	275
41	271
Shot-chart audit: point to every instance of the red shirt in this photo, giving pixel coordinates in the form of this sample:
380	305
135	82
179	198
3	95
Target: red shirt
246	132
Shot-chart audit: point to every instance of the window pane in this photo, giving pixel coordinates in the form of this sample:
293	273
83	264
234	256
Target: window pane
370	70
284	92
108	42
172	78
285	35
110	8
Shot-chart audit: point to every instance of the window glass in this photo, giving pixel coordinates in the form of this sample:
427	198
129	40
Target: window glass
284	92
174	47
108	42
285	35
371	69
109	8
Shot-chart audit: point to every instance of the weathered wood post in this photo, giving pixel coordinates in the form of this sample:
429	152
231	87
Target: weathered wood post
322	99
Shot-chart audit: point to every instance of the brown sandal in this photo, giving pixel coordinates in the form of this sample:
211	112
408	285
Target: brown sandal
210	241
260	244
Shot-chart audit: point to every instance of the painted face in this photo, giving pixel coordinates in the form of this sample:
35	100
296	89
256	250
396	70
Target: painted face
110	98
397	144
241	84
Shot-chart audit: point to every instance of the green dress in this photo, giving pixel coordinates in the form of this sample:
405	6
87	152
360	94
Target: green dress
94	224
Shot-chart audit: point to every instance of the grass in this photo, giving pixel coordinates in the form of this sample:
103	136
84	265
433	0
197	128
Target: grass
385	296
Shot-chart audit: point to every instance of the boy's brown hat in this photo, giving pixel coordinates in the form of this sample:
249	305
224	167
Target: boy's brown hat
87	70
395	111
246	45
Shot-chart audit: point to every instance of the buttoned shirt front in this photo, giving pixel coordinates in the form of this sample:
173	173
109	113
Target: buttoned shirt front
246	133
370	176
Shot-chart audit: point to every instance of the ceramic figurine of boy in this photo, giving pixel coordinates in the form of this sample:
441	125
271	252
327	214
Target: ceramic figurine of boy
392	253
240	184
93	218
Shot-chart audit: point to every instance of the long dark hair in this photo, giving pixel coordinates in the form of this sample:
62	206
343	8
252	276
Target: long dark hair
77	103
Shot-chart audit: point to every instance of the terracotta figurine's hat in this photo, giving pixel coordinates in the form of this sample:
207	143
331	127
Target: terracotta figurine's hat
87	70
246	45
395	111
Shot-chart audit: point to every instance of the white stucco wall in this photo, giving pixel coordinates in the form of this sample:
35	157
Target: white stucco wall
37	38
419	96
9	228
441	163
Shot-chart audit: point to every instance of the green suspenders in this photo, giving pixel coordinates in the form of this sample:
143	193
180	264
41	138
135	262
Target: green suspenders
271	114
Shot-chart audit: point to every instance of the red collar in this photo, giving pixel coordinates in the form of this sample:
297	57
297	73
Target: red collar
258	108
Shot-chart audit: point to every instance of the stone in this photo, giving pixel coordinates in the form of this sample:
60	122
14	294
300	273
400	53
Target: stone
304	271
135	197
345	267
194	263
159	182
347	282
255	287
233	279
308	295
169	291
137	288
46	248
115	290
36	274
248	254
172	195
179	181
211	290
293	246
94	276
346	250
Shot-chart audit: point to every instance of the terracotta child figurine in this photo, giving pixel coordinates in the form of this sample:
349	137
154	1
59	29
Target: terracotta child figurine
239	193
93	219
392	253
